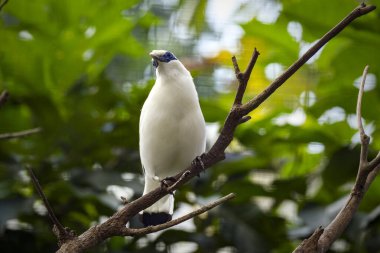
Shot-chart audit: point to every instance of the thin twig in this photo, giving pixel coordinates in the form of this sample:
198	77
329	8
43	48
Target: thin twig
42	195
3	97
251	64
371	176
243	78
173	186
20	134
372	164
359	103
244	119
3	4
151	229
364	139
236	66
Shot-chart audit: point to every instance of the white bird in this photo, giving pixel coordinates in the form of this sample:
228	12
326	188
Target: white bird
172	130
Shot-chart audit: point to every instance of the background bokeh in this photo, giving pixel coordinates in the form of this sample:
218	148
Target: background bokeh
80	70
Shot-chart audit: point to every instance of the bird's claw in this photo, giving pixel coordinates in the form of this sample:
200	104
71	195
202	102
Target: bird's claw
164	183
199	160
124	200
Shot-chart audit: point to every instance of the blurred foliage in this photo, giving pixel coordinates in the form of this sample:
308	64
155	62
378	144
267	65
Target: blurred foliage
80	70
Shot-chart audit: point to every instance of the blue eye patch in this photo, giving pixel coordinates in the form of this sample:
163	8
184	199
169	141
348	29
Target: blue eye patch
167	57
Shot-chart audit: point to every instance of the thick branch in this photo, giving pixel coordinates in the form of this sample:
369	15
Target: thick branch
20	134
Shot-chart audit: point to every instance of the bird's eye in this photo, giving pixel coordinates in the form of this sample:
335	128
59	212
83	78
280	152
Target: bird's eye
167	57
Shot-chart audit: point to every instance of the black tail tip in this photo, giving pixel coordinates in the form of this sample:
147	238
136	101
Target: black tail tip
152	219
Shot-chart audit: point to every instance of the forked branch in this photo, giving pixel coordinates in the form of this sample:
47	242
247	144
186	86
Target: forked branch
367	171
338	225
243	78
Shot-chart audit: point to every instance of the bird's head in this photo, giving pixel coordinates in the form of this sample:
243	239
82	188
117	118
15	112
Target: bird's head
161	57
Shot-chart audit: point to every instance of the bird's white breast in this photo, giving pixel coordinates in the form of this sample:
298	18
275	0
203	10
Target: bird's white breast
172	128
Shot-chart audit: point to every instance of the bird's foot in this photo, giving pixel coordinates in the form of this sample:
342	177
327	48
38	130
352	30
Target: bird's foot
124	200
164	183
198	159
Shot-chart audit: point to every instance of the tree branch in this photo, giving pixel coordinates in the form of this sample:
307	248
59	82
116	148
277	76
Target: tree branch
115	225
367	172
3	97
5	136
63	234
20	134
3	4
371	176
339	224
357	12
364	139
310	244
243	77
151	229
359	103
173	186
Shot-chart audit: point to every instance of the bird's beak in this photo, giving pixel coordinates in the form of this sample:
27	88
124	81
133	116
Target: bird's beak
155	59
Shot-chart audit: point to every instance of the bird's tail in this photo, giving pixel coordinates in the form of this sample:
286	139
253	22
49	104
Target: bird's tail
161	211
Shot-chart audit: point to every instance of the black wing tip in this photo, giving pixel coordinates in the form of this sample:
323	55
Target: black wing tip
152	219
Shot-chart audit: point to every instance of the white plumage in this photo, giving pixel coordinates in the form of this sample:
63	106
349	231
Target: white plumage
172	130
